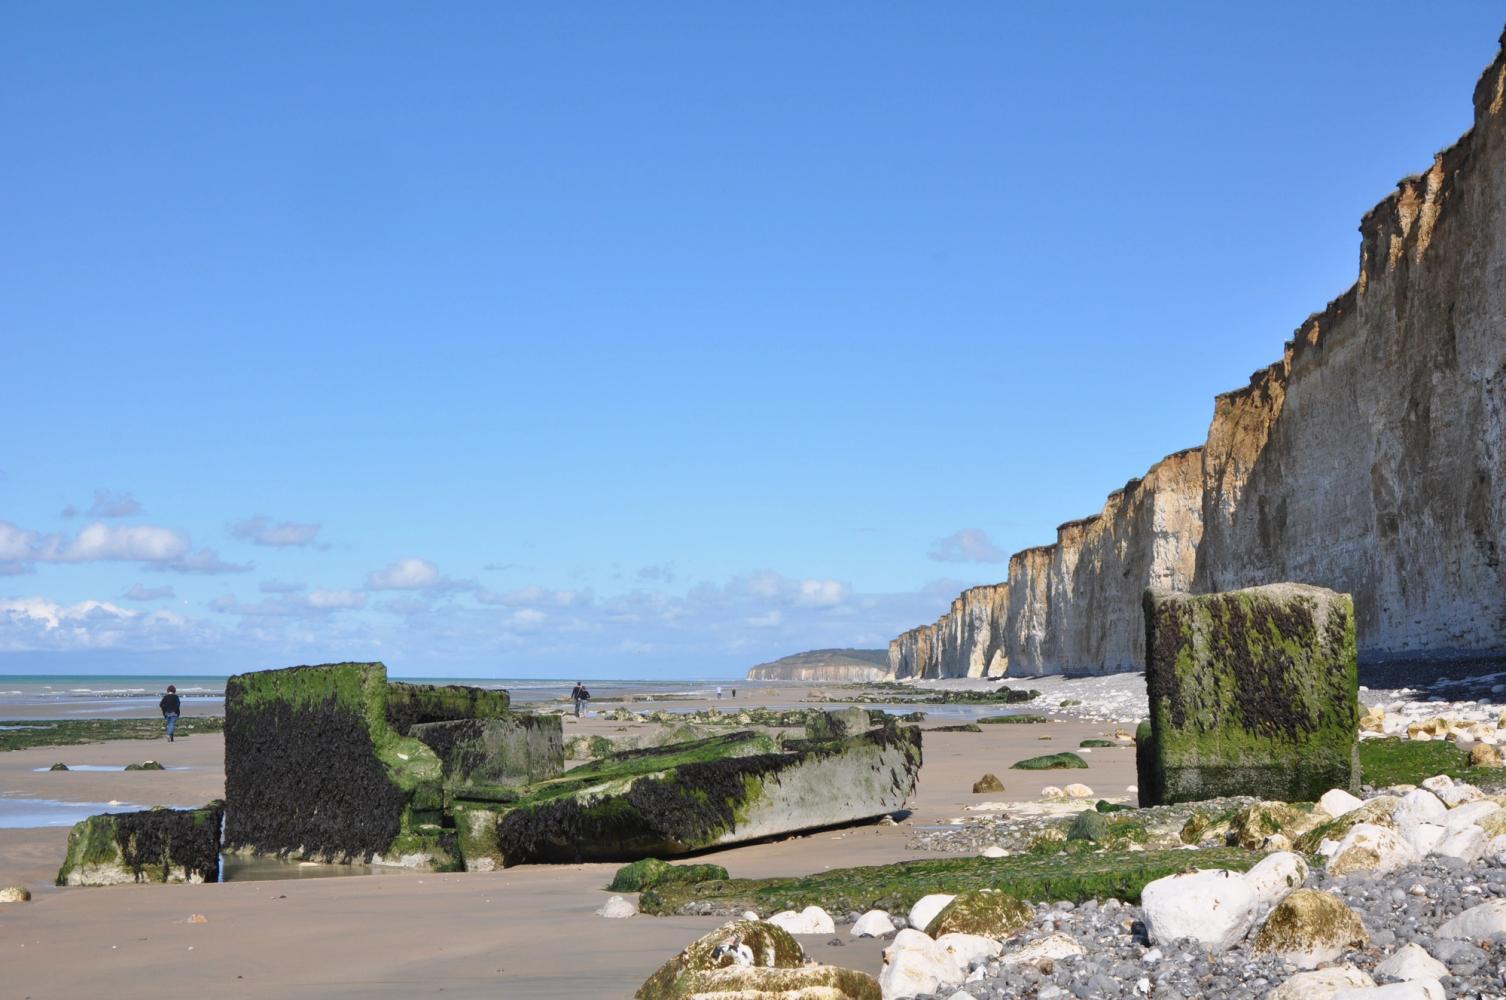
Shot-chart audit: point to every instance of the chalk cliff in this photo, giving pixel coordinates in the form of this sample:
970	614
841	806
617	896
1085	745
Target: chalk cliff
832	666
1368	460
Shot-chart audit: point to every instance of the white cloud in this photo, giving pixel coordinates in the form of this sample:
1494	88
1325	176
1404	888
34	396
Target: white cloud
107	503
406	574
139	593
260	530
52	615
563	598
333	599
526	618
279	587
205	561
967	545
772	619
100	542
823	593
39	623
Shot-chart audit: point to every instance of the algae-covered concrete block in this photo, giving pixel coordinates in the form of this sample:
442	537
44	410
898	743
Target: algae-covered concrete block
670	800
838	723
477	754
154	845
1252	692
314	769
409	705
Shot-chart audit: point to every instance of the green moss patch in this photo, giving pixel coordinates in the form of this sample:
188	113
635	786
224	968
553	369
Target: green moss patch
1049	762
985	912
895	888
649	872
1395	761
1023	719
76	732
1096	743
770	947
409	705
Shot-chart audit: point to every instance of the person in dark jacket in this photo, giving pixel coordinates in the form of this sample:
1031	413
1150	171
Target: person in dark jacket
171	709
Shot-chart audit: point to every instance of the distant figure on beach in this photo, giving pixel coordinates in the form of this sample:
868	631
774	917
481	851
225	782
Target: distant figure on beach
718	692
171	709
585	700
734	694
576	694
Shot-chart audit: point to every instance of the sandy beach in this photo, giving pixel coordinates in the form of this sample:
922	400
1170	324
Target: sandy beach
529	931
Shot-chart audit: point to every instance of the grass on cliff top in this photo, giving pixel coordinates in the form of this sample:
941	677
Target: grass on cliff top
75	732
1398	761
1077	877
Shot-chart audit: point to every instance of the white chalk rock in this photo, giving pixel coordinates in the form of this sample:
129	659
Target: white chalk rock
616	908
1470	813
914	964
1460	793
1477	922
15	894
1336	802
1417	989
1466	844
1320	984
874	923
925	909
1418	806
969	949
1215	907
749	915
1077	790
1049	948
811	920
1437	783
962	995
1367	847
1052	792
1275	876
1412	962
995	851
1424	837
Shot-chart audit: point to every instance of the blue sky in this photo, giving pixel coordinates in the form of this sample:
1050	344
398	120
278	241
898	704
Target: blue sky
639	339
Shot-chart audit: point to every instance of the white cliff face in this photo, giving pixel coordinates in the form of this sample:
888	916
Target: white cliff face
1370	460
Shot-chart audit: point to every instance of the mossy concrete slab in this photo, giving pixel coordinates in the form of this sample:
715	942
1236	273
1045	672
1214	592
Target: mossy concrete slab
512	749
1252	692
837	723
315	769
671	800
153	845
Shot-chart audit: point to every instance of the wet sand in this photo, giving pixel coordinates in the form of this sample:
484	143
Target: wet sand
525	932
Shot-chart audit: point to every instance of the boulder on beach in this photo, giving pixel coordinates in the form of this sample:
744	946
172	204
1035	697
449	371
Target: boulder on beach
873	923
811	982
649	872
616	908
1215	907
985	912
153	845
1309	928
811	920
837	723
988	783
1322	984
15	894
58	767
1277	876
146	765
1050	762
915	965
925	909
1411	961
1252	692
741	943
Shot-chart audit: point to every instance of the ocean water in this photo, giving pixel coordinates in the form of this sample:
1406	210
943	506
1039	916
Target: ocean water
123	695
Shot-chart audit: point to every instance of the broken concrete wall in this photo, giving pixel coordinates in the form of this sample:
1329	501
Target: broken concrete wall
153	845
1252	692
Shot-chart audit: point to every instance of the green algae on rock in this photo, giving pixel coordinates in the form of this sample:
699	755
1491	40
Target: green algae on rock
317	764
745	943
1252	692
809	982
153	845
1393	760
690	796
512	749
895	888
985	912
837	723
1023	719
1050	762
649	872
74	732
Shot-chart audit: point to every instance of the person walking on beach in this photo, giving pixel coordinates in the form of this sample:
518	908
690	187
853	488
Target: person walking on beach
171	709
575	696
718	692
585	700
